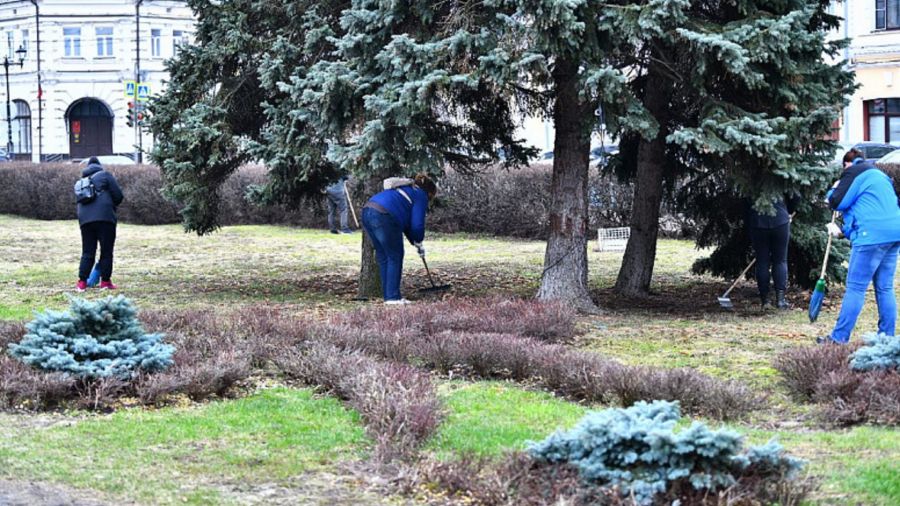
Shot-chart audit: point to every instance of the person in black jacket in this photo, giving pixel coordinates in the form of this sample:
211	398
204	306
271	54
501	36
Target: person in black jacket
98	224
770	235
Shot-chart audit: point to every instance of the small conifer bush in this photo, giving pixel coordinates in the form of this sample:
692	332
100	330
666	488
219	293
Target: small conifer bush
638	451
881	352
93	339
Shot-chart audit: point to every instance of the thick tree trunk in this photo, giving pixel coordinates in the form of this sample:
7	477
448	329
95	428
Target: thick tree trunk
640	254
565	262
369	276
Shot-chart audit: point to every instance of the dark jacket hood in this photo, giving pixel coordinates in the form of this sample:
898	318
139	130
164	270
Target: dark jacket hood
90	170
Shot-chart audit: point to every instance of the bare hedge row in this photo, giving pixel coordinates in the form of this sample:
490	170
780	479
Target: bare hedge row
496	202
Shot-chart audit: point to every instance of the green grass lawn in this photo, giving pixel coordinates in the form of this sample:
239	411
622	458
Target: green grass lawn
187	455
197	454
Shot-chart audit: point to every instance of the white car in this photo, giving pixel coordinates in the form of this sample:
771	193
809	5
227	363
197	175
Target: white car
110	160
892	157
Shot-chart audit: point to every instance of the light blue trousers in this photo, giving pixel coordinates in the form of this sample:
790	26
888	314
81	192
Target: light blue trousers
874	263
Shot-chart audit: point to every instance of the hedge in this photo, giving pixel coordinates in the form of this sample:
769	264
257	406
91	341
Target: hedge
495	202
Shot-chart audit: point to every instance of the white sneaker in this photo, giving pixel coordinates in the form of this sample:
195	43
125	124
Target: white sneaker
398	302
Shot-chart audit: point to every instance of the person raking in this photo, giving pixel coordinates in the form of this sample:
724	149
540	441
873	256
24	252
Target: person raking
389	215
336	200
871	221
770	236
98	196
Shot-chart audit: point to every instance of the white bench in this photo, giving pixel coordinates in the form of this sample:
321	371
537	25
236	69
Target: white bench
613	239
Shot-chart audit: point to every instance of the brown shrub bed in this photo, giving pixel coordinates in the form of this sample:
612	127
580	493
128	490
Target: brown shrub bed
519	479
475	342
822	374
378	360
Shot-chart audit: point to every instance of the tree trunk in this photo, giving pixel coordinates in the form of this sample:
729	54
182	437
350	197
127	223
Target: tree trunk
640	254
565	262
369	275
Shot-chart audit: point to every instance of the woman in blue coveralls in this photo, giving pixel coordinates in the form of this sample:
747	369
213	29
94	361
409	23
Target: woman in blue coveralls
865	196
386	218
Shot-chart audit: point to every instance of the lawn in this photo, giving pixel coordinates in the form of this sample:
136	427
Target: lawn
278	443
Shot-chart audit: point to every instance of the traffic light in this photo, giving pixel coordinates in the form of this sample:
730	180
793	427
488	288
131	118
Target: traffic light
129	119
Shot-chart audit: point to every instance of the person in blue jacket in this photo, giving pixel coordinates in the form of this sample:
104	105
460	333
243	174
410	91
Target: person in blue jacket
98	224
865	196
386	218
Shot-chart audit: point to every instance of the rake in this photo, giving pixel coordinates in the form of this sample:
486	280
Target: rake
434	287
724	300
818	295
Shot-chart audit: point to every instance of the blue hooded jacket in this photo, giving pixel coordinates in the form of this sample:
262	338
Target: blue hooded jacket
865	196
408	210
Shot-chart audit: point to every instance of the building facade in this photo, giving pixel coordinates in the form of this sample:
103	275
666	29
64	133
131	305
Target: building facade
874	55
67	99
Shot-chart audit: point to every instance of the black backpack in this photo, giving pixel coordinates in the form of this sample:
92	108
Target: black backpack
85	191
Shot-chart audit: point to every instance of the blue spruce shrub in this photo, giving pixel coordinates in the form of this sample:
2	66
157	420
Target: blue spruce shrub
93	339
880	352
637	450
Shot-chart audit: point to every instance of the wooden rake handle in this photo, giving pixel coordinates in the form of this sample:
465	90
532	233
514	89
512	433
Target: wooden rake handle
350	203
739	278
827	248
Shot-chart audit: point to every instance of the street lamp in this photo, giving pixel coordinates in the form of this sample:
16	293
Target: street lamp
20	53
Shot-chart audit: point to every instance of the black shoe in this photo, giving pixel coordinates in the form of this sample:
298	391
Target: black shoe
764	302
825	340
780	301
335	232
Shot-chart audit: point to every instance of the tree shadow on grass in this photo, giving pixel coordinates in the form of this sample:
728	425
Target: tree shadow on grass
699	299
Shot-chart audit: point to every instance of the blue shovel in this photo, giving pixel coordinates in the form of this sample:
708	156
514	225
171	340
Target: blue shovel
94	279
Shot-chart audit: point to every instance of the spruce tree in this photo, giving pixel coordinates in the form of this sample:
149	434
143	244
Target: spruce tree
744	98
93	339
415	86
210	118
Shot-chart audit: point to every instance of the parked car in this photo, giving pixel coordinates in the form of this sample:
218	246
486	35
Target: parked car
602	153
873	151
110	160
893	158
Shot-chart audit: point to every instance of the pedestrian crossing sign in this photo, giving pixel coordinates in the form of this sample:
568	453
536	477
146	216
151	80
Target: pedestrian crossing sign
143	92
130	87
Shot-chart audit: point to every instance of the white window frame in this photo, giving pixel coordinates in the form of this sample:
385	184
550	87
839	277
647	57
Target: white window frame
156	43
888	7
179	38
26	44
11	45
72	42
105	44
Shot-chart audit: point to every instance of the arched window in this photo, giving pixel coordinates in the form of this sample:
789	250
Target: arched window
21	127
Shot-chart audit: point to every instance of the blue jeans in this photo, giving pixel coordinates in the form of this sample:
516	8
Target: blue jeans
387	237
875	263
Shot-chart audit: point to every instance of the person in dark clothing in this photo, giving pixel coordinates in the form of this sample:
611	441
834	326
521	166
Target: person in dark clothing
866	198
336	200
98	224
386	218
770	235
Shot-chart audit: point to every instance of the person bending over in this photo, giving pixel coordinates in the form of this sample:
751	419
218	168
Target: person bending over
386	218
865	196
97	220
